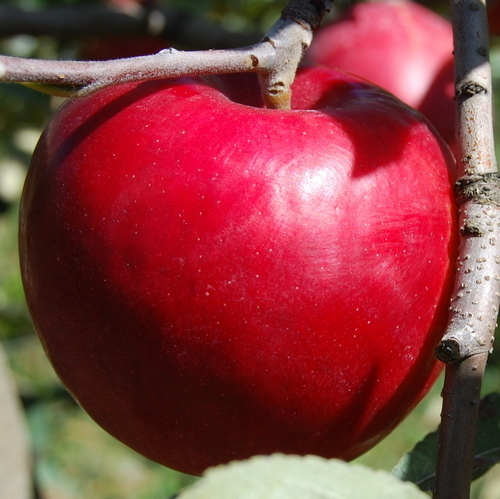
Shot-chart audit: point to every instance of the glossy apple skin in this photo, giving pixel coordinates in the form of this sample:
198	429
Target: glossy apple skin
400	45
214	280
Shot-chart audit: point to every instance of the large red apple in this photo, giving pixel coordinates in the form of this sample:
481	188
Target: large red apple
213	280
400	45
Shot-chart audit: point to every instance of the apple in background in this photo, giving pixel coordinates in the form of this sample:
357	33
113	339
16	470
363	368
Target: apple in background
400	45
214	280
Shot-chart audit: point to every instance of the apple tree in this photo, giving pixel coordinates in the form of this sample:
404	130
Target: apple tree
226	254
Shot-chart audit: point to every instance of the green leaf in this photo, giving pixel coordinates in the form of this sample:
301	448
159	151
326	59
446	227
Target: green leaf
295	477
418	466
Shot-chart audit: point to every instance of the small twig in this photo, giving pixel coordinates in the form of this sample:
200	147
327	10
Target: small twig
275	58
476	297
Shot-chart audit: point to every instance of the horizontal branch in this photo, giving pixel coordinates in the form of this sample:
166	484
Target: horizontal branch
275	58
80	78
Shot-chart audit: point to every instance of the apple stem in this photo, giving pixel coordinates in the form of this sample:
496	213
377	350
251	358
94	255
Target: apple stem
275	58
476	297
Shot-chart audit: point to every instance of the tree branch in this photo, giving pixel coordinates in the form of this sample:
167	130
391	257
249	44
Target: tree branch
275	58
78	21
80	78
298	21
476	297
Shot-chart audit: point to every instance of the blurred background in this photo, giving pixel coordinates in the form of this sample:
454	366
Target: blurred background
49	448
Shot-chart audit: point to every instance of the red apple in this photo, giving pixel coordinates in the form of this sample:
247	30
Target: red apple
400	45
213	280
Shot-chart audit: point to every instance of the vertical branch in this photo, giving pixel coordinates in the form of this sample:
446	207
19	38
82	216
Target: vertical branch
474	305
298	20
459	418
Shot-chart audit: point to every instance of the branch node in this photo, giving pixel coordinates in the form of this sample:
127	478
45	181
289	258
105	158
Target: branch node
480	189
449	351
483	51
473	227
469	89
269	40
463	344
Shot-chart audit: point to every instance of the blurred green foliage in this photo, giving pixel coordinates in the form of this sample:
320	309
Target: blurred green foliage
74	458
